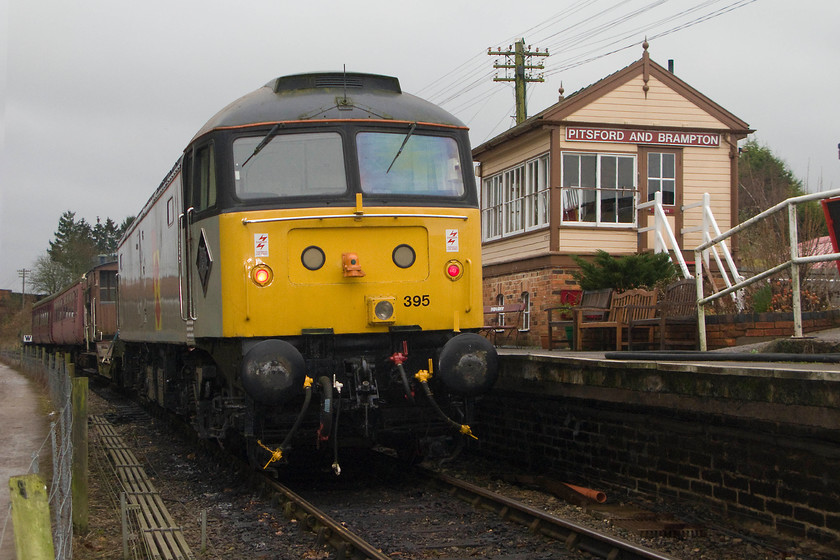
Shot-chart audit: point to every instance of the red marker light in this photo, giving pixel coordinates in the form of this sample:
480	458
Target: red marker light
262	275
454	270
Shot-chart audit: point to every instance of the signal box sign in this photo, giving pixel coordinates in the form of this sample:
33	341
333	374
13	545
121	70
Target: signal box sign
654	137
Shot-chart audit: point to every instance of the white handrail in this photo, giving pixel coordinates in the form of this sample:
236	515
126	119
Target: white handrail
793	263
660	225
708	223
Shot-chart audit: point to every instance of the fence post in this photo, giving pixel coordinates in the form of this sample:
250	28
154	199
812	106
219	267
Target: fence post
69	366
31	517
80	454
794	271
701	311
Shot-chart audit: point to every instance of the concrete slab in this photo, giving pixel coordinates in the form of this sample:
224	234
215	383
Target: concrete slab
23	430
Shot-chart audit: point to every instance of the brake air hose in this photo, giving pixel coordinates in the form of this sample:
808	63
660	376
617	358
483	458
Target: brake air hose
325	429
277	454
423	377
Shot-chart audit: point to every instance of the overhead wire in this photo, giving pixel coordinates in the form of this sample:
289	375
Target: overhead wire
443	85
586	43
632	35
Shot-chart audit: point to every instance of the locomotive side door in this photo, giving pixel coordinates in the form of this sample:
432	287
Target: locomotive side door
199	196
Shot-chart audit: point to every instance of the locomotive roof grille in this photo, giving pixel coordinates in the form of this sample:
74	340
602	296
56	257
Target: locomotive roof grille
337	80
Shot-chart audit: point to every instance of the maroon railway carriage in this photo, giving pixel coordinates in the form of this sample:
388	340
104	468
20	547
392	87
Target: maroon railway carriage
81	318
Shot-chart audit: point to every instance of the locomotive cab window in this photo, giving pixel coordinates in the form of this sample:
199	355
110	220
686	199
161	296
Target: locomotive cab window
289	165
409	164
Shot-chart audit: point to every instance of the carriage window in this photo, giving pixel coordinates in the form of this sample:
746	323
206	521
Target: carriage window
289	165
108	285
426	165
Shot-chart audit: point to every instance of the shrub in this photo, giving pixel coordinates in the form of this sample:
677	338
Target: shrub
642	270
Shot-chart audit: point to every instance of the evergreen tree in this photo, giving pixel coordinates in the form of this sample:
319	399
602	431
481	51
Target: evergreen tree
74	247
106	236
126	223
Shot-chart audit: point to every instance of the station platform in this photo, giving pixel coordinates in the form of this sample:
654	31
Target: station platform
747	381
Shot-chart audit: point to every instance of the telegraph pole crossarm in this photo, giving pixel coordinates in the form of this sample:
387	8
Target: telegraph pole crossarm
521	66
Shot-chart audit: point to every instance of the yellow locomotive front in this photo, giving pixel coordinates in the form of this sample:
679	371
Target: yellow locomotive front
360	268
330	231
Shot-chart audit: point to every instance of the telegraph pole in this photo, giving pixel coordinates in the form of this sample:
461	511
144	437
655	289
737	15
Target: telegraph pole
521	65
22	273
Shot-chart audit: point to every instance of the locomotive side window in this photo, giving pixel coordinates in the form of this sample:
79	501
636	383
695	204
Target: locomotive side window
413	164
204	178
289	165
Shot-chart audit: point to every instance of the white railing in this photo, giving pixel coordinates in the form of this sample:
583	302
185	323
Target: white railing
708	226
793	263
663	234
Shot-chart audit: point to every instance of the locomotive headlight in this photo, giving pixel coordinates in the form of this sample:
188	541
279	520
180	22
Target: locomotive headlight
380	310
454	270
262	275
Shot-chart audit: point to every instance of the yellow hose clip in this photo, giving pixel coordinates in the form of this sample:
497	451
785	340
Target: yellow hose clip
466	430
307	382
423	376
276	454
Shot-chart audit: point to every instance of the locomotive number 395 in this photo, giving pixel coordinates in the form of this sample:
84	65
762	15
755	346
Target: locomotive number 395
416	301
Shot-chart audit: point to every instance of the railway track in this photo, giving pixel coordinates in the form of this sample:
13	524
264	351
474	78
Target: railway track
437	526
388	510
377	509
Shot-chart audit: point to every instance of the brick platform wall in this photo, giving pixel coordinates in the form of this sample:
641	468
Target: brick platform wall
744	328
783	477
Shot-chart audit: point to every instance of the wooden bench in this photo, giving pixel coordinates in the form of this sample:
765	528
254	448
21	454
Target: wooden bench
559	318
630	305
678	308
500	322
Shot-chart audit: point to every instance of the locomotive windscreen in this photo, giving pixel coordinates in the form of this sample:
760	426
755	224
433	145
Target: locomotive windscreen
409	164
289	165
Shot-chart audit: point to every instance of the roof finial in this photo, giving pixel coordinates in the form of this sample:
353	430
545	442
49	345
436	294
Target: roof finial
561	91
645	67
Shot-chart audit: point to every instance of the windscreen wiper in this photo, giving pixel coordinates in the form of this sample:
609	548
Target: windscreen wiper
263	142
407	136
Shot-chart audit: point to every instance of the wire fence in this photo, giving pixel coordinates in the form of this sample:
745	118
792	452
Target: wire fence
51	372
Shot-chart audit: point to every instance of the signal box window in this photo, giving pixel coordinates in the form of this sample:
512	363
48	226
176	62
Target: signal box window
515	200
662	176
409	164
599	189
289	165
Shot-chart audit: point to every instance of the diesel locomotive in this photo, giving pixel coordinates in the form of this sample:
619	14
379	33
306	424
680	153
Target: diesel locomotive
308	273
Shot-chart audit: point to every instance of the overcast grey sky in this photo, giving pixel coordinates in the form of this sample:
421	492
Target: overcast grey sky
101	96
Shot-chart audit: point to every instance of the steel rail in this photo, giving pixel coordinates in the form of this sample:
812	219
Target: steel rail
574	536
346	543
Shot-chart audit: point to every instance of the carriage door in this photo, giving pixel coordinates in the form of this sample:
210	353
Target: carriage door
199	196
